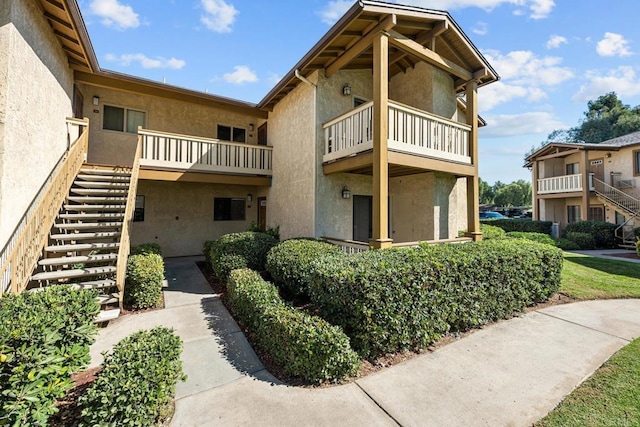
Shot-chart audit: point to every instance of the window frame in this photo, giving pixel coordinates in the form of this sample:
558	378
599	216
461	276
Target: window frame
636	162
230	208
577	212
574	166
137	210
231	133
125	117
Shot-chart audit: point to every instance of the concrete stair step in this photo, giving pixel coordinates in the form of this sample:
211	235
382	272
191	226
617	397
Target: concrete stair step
98	192
109	298
107	172
94	284
110	178
106	315
70	274
112	200
67	260
88	225
100	184
87	236
98	215
82	247
629	246
96	207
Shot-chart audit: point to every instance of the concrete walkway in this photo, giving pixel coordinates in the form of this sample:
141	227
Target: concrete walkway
509	374
608	254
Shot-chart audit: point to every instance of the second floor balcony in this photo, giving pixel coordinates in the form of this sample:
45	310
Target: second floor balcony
411	131
563	184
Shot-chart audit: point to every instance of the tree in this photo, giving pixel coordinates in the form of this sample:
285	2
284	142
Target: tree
486	192
517	193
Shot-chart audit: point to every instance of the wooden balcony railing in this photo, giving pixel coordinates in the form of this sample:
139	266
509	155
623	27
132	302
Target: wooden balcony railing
560	184
23	249
164	150
411	131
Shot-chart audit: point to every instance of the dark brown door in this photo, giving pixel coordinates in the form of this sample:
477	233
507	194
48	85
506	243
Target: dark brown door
362	218
596	167
262	134
262	213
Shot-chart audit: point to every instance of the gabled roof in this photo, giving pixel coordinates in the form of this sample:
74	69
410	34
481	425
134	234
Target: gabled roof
427	27
632	138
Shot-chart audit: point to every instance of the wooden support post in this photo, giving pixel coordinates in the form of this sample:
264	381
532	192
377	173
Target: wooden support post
584	167
473	191
534	188
380	141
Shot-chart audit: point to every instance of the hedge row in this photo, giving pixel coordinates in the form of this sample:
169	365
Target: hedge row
289	263
535	237
488	232
603	234
137	381
398	299
145	275
239	250
518	224
305	346
44	337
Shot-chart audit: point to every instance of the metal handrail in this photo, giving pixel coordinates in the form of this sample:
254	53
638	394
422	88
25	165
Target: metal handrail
621	200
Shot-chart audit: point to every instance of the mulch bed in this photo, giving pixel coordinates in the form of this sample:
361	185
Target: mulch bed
629	255
69	412
367	367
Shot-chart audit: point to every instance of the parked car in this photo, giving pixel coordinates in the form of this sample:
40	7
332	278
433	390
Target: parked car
491	215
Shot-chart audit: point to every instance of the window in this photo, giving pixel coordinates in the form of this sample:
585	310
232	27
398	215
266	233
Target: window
357	101
620	219
573	213
573	168
636	163
228	209
122	119
229	133
138	212
596	213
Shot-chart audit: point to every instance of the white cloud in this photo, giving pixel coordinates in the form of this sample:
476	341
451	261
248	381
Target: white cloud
613	45
218	15
510	125
555	41
241	74
115	14
146	62
481	28
334	10
499	93
525	67
622	80
537	9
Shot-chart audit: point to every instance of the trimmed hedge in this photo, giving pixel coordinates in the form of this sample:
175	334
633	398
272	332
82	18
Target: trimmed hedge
582	240
534	237
520	224
143	284
137	381
303	345
566	245
638	247
44	338
240	250
398	299
603	232
488	232
146	248
289	263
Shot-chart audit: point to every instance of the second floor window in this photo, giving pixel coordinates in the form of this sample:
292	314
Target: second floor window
636	162
573	168
229	133
122	119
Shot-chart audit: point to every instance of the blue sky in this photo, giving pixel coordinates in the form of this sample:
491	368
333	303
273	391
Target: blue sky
552	55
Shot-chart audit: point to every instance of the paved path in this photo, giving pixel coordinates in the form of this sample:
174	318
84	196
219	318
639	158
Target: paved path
608	254
508	374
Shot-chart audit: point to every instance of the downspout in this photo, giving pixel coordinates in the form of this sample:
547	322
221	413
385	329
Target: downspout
303	78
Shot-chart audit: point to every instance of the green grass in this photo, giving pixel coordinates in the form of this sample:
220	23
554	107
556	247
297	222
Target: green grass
610	397
585	277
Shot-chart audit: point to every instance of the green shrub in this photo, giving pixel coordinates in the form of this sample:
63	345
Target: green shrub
535	237
271	231
289	263
488	232
638	247
206	250
582	240
398	299
143	284
137	381
44	337
303	345
146	248
239	250
521	224
566	245
603	232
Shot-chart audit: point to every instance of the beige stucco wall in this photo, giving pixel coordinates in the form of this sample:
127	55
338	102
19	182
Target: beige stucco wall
162	114
36	87
290	200
179	215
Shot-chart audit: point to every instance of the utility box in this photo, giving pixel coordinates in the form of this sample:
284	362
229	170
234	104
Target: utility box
555	230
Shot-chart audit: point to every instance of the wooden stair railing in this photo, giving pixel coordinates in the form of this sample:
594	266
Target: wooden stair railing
24	247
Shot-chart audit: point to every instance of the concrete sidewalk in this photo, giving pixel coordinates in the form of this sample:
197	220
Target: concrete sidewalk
608	254
510	373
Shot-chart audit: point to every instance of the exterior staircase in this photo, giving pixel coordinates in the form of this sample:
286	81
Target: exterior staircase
84	242
624	203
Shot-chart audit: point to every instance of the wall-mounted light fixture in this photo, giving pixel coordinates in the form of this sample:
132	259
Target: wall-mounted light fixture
96	100
346	194
346	89
251	127
249	197
608	155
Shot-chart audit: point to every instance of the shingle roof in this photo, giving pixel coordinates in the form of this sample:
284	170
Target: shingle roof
624	140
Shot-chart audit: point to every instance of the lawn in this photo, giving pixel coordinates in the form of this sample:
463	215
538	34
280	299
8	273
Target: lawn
585	277
610	397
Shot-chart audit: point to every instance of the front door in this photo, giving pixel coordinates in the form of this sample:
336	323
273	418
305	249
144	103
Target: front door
262	213
596	167
262	134
362	218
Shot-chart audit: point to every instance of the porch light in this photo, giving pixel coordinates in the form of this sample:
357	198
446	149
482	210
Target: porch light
346	194
249	197
608	155
251	127
346	89
96	100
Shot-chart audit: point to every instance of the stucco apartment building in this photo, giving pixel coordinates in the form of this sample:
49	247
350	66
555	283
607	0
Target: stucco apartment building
600	182
370	140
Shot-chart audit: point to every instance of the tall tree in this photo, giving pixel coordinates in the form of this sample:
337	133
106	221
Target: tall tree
486	192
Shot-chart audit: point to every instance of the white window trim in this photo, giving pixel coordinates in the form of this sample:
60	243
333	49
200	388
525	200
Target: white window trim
146	118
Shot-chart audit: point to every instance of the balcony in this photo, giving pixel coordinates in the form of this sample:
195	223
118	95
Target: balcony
411	131
168	151
563	184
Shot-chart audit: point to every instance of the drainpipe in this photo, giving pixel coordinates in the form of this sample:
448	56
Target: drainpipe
303	78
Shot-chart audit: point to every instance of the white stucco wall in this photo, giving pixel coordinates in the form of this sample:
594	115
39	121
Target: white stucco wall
36	87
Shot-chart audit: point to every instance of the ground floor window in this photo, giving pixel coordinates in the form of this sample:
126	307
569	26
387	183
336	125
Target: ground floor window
596	213
229	209
138	212
573	213
620	219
